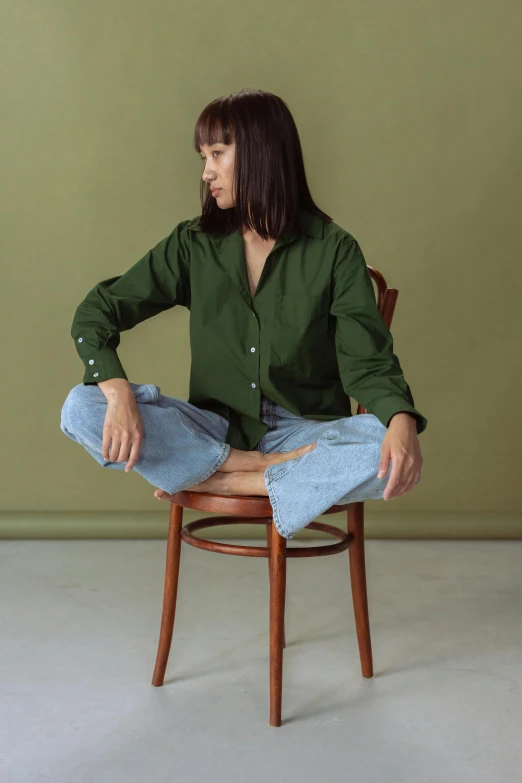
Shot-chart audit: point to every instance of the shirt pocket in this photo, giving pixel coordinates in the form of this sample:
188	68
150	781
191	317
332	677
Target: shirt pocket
299	331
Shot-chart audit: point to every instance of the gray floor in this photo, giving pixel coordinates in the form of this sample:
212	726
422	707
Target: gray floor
80	622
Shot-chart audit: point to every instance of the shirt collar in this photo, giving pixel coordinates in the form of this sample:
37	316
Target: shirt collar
312	225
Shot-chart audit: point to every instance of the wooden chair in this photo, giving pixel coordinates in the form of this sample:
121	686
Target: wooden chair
235	510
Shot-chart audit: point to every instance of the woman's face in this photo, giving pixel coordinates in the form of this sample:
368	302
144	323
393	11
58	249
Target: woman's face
218	171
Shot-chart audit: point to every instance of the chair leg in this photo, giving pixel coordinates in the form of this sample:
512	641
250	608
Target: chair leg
355	514
268	529
170	592
277	612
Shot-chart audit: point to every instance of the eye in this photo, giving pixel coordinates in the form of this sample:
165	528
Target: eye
213	151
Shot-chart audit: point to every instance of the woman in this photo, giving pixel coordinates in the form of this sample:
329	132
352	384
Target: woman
284	328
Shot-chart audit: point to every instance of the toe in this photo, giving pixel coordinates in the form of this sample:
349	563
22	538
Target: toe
308	448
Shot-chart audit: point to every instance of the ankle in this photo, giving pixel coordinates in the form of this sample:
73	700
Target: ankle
246	461
262	462
245	482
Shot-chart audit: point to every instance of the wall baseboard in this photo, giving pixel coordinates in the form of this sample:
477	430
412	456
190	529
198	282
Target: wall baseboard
154	524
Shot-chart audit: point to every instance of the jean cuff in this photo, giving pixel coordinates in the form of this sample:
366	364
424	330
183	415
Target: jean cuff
270	476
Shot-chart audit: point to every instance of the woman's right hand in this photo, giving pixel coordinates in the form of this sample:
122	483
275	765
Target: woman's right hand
122	429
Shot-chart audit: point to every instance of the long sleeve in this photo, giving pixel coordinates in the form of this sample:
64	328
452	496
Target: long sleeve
158	281
369	369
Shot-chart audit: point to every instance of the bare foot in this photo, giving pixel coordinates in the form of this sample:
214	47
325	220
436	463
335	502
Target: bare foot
162	495
228	483
284	456
214	483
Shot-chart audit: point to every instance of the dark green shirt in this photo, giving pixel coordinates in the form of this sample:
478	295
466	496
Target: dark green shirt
310	338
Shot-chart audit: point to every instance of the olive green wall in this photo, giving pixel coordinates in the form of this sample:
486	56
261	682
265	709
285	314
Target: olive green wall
410	118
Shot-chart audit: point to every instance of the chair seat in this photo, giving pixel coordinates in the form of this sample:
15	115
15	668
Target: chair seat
247	505
250	509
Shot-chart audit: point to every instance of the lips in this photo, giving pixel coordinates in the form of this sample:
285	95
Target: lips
213	190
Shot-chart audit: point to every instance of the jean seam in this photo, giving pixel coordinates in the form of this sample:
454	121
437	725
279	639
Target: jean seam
281	471
154	391
199	436
223	453
273	502
222	457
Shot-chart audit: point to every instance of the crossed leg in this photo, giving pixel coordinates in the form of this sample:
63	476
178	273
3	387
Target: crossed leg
242	473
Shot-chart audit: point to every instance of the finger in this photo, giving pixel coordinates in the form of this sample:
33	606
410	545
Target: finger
410	484
106	443
133	458
383	470
413	483
412	480
116	448
407	483
394	482
124	448
384	464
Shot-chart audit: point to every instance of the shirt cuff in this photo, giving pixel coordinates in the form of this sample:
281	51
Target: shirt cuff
102	365
389	406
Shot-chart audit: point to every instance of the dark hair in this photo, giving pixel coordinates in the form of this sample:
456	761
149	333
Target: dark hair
269	171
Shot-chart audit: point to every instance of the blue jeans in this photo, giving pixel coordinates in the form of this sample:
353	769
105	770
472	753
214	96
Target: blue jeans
183	445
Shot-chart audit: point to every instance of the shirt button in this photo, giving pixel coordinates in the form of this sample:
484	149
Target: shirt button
96	374
253	385
252	350
91	361
80	339
253	314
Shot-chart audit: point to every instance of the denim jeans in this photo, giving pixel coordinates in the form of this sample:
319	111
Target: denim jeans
183	445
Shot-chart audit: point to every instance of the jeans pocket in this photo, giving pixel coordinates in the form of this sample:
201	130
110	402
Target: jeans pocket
145	392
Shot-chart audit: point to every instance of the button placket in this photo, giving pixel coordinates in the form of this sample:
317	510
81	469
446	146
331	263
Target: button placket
252	350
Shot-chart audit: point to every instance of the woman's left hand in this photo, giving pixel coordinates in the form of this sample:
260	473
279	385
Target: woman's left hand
401	444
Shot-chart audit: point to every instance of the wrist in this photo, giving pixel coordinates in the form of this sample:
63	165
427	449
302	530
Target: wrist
403	418
114	387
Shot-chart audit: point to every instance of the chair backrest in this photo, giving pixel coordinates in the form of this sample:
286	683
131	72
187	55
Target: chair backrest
386	297
386	301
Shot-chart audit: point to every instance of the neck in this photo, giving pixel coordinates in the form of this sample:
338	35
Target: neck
253	237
